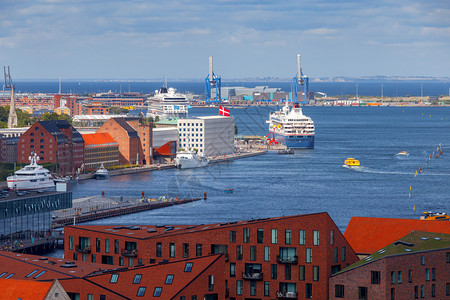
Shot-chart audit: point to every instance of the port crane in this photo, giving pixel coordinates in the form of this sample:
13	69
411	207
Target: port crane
211	81
301	80
12	119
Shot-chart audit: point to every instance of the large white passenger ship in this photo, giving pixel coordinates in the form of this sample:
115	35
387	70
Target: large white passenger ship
31	177
167	103
292	128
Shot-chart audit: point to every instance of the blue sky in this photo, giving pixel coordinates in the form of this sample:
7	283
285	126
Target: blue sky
248	38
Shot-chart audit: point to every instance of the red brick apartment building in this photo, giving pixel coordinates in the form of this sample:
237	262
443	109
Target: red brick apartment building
94	108
199	278
367	235
54	142
134	139
273	258
415	267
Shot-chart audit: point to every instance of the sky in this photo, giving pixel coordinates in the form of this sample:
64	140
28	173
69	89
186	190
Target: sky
137	39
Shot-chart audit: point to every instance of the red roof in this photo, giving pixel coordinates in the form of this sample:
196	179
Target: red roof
24	289
367	235
98	139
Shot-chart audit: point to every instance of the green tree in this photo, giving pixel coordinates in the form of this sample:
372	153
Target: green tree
115	110
54	117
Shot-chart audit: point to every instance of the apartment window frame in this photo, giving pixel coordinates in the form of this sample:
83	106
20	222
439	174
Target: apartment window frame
260	236
287	236
339	290
331	237
198	250
232	236
316	237
266	253
375	277
302	237
274	236
301	272
246	235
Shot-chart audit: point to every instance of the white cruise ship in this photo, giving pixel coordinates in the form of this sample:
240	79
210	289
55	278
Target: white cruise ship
292	128
31	177
189	159
167	103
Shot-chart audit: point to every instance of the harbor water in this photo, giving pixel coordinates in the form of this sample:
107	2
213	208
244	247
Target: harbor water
308	181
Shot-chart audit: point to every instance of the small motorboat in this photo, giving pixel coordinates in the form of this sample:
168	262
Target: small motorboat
351	162
286	151
229	191
404	153
431	216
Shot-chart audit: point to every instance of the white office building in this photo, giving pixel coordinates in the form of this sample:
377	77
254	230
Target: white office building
210	135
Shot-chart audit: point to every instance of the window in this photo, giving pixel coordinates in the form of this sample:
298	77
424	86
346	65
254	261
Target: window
267	288
274	236
93	258
316	238
185	250
172	250
90	297
343	253
116	246
308	255
433	274
137	279
308	291
120	260
188	267
316	273
157	292
158	249
362	292
427	274
252	253
287	236
232	269
198	250
97	245
447	289
3	274
433	290
239	252
399	277
273	271
339	291
422	260
232	236
375	277
301	237
39	275
336	254
169	279
107	246
267	253
246	235
392	293
392	276
260	236
416	292
9	276
301	273
70	242
211	283
422	291
410	276
332	237
447	257
287	272
114	278
252	288
239	287
31	274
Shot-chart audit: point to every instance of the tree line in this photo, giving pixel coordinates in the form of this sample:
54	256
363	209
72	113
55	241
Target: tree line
25	119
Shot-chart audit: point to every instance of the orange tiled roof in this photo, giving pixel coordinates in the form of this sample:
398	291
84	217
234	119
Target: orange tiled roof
367	235
23	289
98	139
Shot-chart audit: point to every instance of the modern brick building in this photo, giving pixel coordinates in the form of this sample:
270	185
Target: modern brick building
416	266
54	142
94	108
196	278
134	139
367	235
100	148
2	148
273	258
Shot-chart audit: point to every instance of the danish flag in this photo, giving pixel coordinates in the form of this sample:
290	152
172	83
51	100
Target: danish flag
223	111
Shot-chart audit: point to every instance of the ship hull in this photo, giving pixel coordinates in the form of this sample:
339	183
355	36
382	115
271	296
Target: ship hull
295	141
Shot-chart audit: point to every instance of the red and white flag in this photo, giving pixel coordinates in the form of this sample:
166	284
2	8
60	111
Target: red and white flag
223	111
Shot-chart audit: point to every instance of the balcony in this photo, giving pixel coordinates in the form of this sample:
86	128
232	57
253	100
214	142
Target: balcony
129	253
86	249
253	276
286	295
287	260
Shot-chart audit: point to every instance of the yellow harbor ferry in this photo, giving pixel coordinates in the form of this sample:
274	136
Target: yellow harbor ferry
351	162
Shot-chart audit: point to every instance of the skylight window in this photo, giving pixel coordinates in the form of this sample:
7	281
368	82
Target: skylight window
3	274
141	291
137	279
31	274
169	279
39	275
9	276
188	267
114	278
157	292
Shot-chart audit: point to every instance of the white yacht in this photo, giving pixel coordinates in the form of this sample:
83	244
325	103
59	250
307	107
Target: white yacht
101	173
31	177
188	159
167	103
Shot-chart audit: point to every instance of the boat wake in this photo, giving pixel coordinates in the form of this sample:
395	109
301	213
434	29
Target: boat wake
374	171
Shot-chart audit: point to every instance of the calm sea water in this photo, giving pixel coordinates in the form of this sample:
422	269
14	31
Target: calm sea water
311	180
365	88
